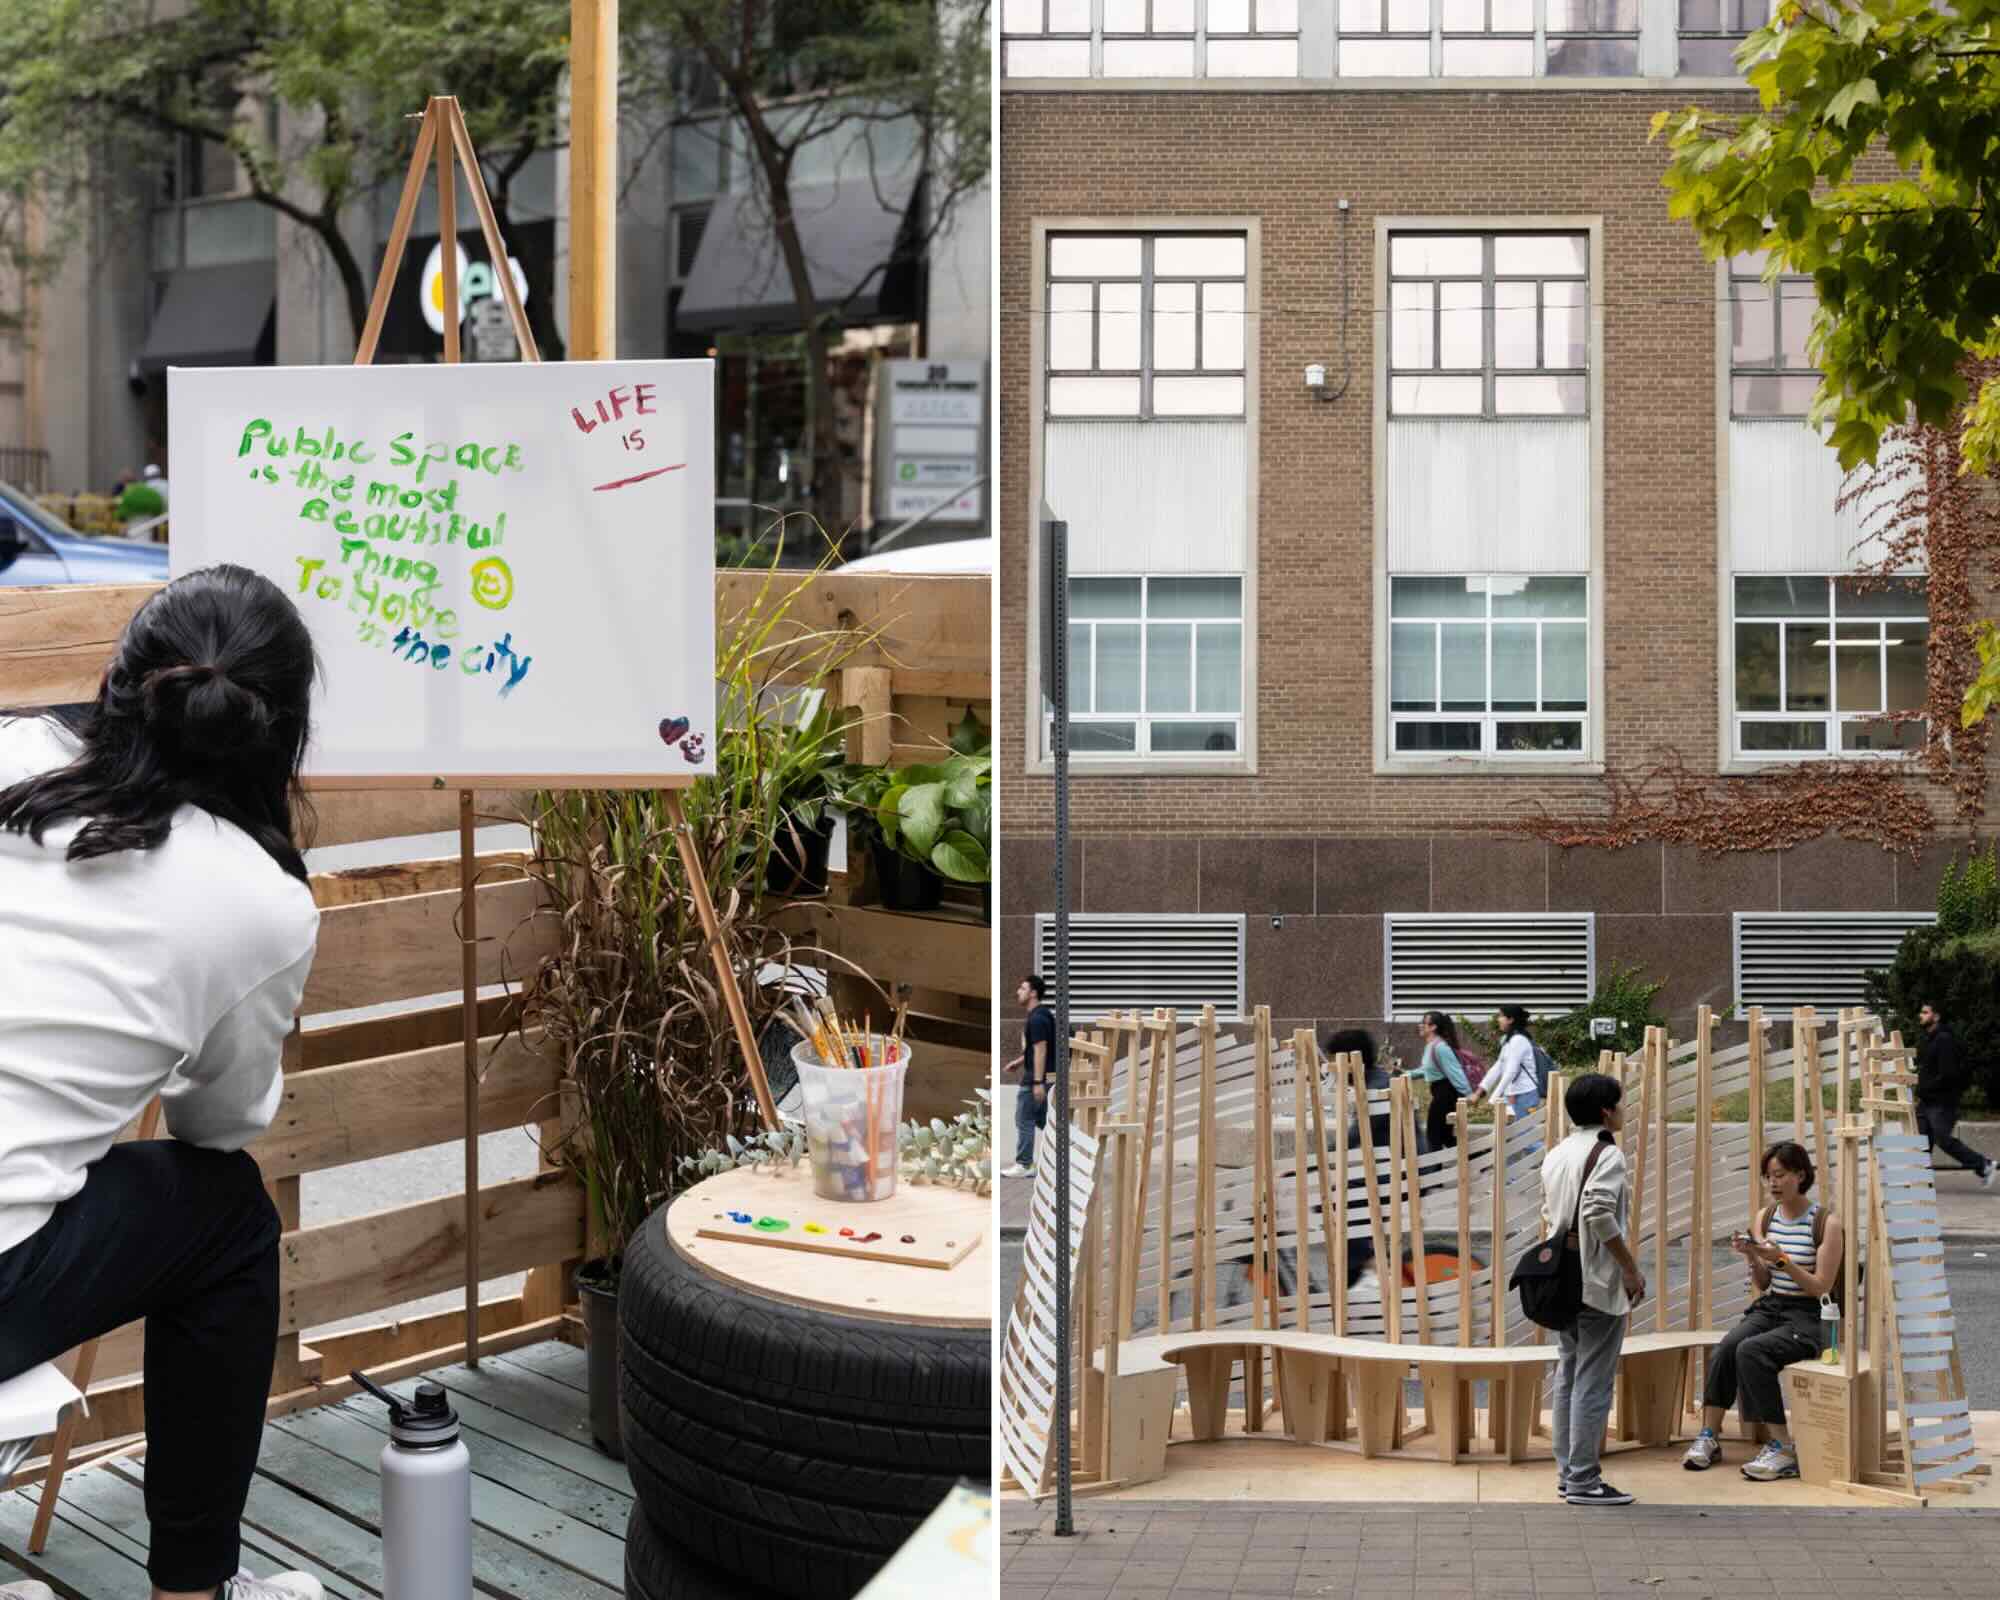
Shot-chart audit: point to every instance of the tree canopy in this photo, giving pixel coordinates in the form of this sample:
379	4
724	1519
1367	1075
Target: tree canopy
1872	164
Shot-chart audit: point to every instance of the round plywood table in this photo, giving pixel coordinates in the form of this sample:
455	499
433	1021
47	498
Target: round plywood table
935	1215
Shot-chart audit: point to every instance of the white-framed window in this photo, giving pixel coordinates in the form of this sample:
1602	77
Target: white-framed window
1770	373
1711	31
1146	325
1821	660
1136	961
1489	665
1488	38
1156	666
1253	38
1470	964
1489	324
1784	959
1045	38
1151	39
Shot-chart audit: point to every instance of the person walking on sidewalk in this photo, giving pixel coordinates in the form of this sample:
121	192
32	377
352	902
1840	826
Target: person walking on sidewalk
1036	1064
1584	1178
1794	1249
1440	1065
1941	1081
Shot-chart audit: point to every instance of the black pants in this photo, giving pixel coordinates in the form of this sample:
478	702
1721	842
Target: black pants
187	1239
1437	1121
1030	1117
1775	1332
1935	1120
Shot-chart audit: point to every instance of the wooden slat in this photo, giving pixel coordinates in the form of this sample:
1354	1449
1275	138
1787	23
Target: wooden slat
329	1045
389	1257
390	1342
399	949
941	1079
359	885
366	1109
353	816
896	947
55	642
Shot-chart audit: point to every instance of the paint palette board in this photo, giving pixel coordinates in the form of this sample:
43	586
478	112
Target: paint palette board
940	1253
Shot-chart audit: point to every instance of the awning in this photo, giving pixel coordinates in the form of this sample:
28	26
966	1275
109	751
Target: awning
740	285
212	317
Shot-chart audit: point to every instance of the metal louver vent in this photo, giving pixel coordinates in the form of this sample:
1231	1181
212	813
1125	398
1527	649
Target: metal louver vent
1469	964
1814	958
1137	962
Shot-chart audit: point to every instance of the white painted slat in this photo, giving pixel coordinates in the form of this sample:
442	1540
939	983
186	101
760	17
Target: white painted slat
1941	1452
1956	1469
1925	1364
1960	1407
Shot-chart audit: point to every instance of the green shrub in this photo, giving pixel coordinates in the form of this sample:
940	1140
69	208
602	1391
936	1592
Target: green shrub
1960	975
141	500
1622	994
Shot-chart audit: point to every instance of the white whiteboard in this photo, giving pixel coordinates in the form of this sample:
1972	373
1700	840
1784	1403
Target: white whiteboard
508	570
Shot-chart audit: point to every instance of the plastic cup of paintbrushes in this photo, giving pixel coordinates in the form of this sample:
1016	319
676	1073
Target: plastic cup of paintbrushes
852	1114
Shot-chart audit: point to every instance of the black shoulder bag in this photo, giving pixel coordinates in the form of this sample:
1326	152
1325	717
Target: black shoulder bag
1550	1275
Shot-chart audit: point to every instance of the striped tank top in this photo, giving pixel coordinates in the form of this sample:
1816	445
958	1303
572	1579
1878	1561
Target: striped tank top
1796	1240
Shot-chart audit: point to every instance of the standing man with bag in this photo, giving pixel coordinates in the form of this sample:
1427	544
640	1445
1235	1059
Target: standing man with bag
1586	1202
1941	1081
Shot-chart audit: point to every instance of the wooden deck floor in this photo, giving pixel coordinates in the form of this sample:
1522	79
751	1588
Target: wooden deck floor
548	1508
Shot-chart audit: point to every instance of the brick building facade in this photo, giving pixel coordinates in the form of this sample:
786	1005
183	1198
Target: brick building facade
1577	532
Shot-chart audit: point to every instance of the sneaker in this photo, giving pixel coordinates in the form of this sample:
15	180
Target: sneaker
280	1586
1704	1452
1017	1171
1774	1461
1561	1492
1987	1177
29	1590
1598	1494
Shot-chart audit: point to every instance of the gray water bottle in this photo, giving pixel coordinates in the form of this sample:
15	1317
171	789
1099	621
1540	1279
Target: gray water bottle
426	1498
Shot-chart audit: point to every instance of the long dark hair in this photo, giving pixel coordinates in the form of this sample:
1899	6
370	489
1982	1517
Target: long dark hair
1518	1017
1444	1028
207	703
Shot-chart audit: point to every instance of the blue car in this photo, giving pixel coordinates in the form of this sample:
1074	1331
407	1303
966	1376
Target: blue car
37	548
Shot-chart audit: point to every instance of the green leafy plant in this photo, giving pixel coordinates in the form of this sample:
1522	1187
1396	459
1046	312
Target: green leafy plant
958	1152
1622	994
942	815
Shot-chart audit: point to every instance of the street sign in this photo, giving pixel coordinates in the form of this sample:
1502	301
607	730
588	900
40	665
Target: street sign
933	435
1603	1027
493	332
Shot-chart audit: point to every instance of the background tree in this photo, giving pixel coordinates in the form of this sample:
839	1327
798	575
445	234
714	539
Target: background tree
1874	165
794	72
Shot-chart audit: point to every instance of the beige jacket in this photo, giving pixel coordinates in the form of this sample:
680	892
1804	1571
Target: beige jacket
1606	1209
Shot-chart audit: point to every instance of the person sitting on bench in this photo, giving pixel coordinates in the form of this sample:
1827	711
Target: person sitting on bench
1794	1250
156	928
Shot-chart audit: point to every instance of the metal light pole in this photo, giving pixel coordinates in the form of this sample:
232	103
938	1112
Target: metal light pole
1055	688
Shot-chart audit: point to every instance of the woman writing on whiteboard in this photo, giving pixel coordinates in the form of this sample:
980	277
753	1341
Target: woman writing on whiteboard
156	929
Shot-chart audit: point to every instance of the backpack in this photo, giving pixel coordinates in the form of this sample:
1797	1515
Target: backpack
1838	1292
1543	1067
1474	1066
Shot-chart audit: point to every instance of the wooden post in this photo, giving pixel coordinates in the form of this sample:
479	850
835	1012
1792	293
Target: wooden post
1816	1088
1857	1233
1701	1247
1263	1257
1462	1116
1498	1250
1302	1064
1204	1178
1658	1039
1339	1065
468	933
1167	1174
1332	1225
1640	1165
593	180
1756	1111
1418	1256
1357	1082
1132	1245
1802	1046
1392	1280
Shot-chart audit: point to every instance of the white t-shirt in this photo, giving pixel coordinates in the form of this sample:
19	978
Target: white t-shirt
1513	1074
174	971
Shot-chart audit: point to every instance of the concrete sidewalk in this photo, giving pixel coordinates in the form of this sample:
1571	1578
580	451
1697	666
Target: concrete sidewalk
1147	1550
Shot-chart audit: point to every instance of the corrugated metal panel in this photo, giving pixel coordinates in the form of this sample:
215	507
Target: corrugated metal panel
1128	963
1783	484
1472	965
1814	958
1471	496
1150	496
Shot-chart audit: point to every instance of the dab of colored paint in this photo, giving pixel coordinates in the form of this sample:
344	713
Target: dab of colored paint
770	1224
909	1238
739	1216
847	1233
814	1227
868	1238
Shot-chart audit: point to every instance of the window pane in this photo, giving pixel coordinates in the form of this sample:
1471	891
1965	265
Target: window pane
1069	16
1173	327
1857	673
1385	58
1016	16
1278	16
1701	16
1082	255
1435	255
1266	57
1891	597
1461	325
1437	597
1808	673
1464	16
1437	397
1360	16
1438	738
1539	597
1781	738
1093	397
1117	666
1228	16
1772	396
1124	16
1514	326
1489	58
1463	648
1079	666
1539	397
1195	597
1412	341
1036	58
1781	597
1565	667
1195	255
1513	16
1565	326
1198	738
1593	16
1218	664
1908	642
1593	58
1118	327
1103	597
1069	326
1757	666
1531	738
1750	340
1170	667
1412	666
1222	326
1533	255
1103	738
1173	16
1514	666
1796	304
1198	397
1148	58
1712	58
1410	16
1882	735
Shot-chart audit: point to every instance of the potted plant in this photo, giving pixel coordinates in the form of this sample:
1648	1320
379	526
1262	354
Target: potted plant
628	1002
928	823
807	767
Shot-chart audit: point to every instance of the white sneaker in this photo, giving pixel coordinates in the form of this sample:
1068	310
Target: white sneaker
29	1590
280	1586
1017	1171
1992	1171
1703	1453
1773	1462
